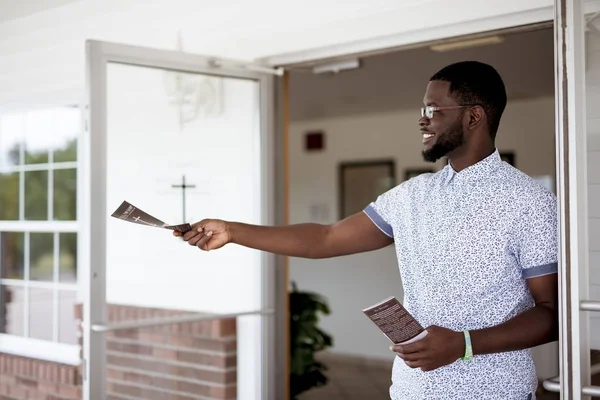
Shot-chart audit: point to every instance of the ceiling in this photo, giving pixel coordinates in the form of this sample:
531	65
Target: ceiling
397	80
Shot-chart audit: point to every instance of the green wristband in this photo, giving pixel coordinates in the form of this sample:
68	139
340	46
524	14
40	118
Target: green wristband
468	347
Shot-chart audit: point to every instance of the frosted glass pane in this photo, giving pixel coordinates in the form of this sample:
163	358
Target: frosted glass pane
163	126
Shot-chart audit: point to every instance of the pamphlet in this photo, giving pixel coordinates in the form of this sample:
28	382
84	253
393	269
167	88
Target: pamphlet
396	323
130	213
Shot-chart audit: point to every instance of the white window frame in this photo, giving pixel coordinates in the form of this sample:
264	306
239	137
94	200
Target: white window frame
23	346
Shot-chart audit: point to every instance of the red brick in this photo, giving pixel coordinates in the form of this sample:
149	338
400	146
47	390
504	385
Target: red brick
4	388
17	392
70	391
6	380
47	386
224	327
26	382
226	392
165	353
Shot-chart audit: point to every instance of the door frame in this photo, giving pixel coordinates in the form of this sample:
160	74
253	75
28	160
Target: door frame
572	183
93	212
571	153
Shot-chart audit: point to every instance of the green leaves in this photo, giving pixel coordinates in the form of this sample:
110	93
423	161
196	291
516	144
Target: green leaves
306	339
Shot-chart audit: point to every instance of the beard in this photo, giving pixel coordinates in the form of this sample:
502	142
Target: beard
446	142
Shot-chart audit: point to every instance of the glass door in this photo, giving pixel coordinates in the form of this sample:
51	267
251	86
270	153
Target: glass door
183	138
577	49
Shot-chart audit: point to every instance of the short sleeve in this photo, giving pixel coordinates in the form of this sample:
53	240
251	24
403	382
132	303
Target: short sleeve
537	236
382	210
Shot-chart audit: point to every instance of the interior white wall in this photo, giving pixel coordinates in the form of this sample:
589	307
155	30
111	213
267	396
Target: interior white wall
353	282
42	53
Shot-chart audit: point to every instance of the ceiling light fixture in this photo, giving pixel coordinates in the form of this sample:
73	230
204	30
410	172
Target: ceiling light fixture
464	44
337	66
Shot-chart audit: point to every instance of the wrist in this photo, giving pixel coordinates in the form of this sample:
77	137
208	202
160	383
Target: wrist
230	230
460	345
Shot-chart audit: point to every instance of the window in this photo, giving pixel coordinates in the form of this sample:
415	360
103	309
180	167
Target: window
38	227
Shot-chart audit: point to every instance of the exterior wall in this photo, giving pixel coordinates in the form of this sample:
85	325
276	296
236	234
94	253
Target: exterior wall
24	378
179	362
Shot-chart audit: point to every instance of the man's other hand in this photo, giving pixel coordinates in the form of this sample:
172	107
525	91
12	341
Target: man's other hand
440	347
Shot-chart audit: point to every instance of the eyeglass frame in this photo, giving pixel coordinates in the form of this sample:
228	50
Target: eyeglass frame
433	109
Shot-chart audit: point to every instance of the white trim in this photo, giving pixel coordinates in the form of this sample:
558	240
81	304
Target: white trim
40	167
56	279
401	39
92	191
26	292
39	226
40	349
40	284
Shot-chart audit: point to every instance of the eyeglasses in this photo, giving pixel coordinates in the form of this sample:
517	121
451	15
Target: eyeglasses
429	110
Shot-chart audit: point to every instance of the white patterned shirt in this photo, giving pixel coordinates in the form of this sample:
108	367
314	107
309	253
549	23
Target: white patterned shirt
466	244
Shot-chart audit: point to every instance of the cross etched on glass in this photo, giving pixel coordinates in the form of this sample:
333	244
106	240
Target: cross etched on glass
183	186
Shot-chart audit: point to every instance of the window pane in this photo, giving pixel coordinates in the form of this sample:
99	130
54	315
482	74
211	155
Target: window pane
68	126
68	258
38	136
41	256
11	255
67	324
12	310
41	315
9	196
65	194
36	195
11	137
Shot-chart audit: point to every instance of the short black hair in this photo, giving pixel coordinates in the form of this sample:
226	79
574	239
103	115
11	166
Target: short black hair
476	83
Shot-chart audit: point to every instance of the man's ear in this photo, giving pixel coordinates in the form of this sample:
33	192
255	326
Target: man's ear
476	116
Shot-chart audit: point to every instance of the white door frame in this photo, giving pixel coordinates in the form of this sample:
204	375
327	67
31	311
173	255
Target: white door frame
571	173
93	212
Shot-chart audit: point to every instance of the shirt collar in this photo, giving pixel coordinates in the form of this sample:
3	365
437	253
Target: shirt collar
479	169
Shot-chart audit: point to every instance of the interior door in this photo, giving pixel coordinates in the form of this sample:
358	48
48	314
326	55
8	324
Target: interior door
577	81
181	137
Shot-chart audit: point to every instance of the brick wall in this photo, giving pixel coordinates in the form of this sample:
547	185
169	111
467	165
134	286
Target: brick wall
23	378
186	361
194	360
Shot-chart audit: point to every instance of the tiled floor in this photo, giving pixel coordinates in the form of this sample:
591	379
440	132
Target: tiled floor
352	379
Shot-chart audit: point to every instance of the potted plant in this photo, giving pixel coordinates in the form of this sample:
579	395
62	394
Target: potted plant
306	339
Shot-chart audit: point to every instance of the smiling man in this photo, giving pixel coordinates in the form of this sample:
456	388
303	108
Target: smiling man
476	243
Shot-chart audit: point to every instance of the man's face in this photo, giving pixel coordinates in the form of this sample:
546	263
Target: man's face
443	131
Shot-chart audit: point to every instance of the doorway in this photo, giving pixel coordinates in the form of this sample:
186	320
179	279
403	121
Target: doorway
360	113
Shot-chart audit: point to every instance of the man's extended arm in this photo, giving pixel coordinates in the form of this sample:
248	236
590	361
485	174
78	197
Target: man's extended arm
355	234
